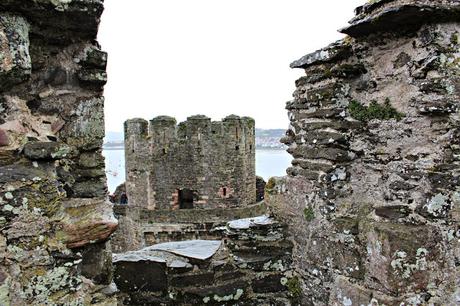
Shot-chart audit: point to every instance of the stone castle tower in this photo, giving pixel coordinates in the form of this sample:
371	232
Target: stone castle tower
195	164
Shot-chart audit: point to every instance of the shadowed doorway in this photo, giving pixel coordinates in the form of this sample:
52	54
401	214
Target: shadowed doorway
185	199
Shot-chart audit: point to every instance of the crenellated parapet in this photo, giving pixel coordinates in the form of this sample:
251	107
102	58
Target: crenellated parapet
212	161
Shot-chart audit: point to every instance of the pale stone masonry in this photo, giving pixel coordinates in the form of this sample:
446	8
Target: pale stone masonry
196	164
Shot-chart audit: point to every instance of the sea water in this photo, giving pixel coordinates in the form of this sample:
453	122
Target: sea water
268	163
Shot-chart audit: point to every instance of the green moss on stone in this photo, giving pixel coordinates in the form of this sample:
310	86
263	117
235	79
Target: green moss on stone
374	111
294	288
308	214
454	39
46	197
270	184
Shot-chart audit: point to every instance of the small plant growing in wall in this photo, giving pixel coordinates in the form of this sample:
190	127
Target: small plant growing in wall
374	111
308	214
270	185
293	286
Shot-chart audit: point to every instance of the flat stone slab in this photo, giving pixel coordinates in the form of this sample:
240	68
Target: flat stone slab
150	255
85	221
196	249
250	222
335	51
386	16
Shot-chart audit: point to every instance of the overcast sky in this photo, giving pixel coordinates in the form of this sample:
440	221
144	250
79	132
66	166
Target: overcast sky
211	57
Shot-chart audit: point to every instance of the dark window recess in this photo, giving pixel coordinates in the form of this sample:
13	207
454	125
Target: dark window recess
185	199
237	148
224	191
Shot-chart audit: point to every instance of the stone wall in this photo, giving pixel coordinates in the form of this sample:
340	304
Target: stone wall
248	264
140	227
215	160
372	197
54	217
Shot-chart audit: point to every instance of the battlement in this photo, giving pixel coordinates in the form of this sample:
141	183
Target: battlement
195	127
213	161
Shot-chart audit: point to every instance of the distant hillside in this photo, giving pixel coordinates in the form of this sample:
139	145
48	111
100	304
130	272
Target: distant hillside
113	137
270	133
269	139
265	139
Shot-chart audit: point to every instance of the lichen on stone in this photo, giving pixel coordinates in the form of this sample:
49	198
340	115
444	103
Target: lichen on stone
53	285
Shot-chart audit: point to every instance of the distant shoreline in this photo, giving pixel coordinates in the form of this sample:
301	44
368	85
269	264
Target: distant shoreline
119	148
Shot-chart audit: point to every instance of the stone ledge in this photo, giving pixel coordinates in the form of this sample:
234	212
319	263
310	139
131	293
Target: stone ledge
401	16
193	215
52	17
333	52
85	221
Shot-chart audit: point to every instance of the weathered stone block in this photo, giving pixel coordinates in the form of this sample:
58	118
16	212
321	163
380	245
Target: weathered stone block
15	63
89	188
232	291
348	71
60	18
197	280
333	52
340	256
345	292
393	212
434	108
401	257
93	77
46	150
342	125
97	263
4	140
269	283
85	174
395	16
8	157
85	221
323	167
86	128
323	138
325	95
332	154
437	85
34	187
91	160
308	174
93	57
322	113
56	76
128	278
